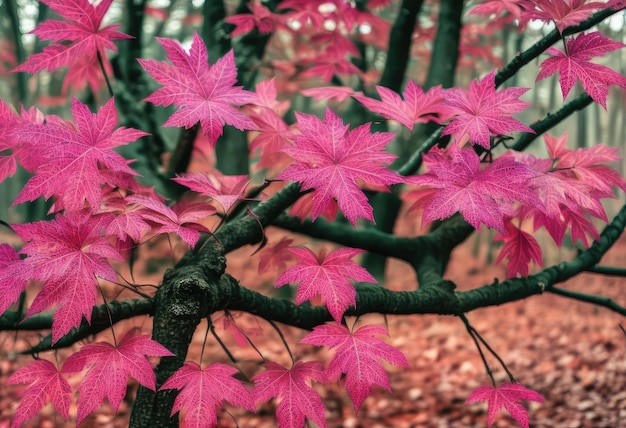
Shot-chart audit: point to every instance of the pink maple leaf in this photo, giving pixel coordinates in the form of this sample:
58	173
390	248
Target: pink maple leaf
297	399
80	35
240	331
276	255
66	254
417	107
109	367
481	195
570	185
181	219
574	65
267	97
8	122
586	164
261	18
204	93
22	151
12	277
516	8
481	111
46	383
77	157
330	159
564	13
201	390
358	355
338	93
274	136
326	275
519	248
506	395
224	189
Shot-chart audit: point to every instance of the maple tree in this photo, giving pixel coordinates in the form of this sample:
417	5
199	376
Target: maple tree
252	155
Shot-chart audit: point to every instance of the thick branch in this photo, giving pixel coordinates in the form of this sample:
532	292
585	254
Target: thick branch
400	45
120	310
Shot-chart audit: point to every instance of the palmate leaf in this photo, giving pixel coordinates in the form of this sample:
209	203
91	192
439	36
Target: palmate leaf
291	386
482	195
109	368
204	93
330	159
417	107
574	65
564	13
75	158
67	255
482	112
78	37
201	390
358	355
46	383
508	396
328	275
519	248
224	189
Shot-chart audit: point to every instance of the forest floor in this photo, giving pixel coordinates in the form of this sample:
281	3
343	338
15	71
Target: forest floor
572	353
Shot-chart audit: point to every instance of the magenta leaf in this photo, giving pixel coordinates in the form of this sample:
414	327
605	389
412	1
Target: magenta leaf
358	355
77	160
330	159
67	254
204	93
291	386
519	248
417	107
326	275
46	383
201	390
506	395
482	195
482	112
109	367
575	66
78	37
224	189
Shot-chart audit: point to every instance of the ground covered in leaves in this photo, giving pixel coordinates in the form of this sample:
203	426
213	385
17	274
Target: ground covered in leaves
573	353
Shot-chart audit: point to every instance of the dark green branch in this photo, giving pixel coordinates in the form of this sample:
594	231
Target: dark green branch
608	270
520	288
120	310
551	120
445	51
370	239
436	298
590	298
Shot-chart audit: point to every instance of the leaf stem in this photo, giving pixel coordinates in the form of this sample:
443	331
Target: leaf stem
106	305
471	330
104	73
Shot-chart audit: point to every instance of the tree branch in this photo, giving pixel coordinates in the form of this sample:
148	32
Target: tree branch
604	301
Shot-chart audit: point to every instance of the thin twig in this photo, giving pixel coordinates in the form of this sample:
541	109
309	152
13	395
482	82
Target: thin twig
104	73
595	299
471	330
